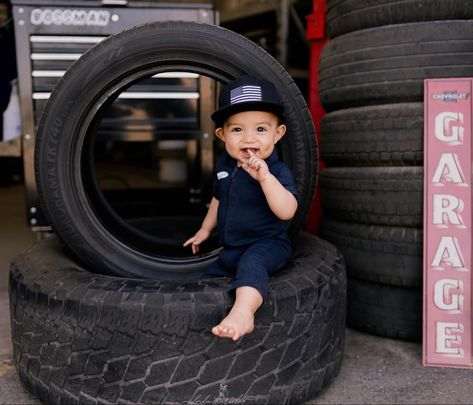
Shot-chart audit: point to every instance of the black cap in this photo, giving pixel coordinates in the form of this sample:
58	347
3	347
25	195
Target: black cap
247	93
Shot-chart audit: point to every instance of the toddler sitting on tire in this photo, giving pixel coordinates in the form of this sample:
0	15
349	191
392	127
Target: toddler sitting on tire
254	196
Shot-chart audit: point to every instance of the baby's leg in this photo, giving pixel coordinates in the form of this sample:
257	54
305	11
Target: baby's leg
240	320
255	265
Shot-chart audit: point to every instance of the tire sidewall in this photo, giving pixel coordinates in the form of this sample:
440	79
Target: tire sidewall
101	321
100	70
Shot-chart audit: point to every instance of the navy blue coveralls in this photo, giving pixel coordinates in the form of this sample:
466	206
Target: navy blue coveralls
254	240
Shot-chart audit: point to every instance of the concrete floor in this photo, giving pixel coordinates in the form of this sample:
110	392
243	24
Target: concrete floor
375	370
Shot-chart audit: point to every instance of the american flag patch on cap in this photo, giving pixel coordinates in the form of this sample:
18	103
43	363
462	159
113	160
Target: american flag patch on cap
245	93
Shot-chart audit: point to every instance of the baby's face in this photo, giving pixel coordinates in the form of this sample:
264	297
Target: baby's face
251	133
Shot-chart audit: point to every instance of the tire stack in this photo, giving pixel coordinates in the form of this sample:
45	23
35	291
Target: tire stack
125	320
371	84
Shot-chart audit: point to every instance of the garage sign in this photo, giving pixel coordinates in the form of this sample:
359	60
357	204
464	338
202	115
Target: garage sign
448	223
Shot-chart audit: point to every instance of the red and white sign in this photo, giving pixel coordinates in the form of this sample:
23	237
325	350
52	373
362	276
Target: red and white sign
448	223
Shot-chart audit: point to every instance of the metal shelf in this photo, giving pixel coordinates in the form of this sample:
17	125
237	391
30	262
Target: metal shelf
272	24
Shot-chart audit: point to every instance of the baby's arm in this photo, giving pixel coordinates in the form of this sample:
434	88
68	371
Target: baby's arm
281	201
209	223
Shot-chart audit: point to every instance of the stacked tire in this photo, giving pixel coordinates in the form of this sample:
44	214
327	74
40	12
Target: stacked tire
101	318
371	83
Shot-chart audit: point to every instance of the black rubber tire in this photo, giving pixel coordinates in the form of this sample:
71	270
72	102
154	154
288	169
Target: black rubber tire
389	64
374	195
351	15
78	212
383	310
81	337
381	254
382	135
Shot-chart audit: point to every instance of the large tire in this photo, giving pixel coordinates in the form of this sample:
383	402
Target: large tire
381	254
383	310
374	195
351	15
81	337
382	135
389	64
77	209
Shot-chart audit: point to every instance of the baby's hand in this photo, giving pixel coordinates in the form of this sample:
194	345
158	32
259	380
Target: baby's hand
256	167
197	239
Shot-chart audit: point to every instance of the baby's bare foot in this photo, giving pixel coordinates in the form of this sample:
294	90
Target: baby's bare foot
236	324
